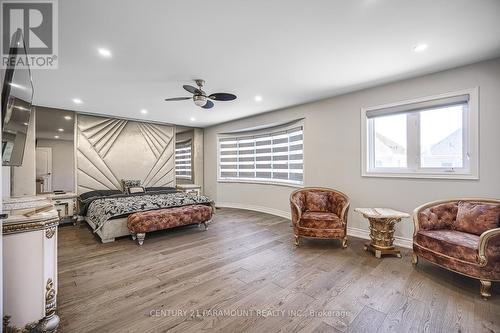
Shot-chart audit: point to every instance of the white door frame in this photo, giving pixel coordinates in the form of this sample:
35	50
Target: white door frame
47	178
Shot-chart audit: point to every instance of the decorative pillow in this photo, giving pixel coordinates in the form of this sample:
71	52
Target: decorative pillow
135	189
317	202
129	183
438	217
476	218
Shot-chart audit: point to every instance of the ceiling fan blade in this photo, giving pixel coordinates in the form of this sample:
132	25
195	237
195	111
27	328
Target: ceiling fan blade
177	99
222	97
209	105
192	89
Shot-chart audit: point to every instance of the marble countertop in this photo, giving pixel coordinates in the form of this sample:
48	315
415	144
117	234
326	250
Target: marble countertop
28	209
381	213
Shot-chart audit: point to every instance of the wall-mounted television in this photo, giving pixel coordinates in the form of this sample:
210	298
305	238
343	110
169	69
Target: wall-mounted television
17	96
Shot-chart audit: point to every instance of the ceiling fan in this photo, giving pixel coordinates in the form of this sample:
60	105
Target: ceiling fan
200	98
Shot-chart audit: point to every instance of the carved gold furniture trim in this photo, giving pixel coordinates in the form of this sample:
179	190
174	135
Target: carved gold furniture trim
480	265
51	321
30	226
382	222
50	232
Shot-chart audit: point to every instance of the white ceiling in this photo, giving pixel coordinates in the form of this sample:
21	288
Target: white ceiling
49	121
290	52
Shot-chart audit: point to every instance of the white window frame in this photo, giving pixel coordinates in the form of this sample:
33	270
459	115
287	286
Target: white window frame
470	141
260	131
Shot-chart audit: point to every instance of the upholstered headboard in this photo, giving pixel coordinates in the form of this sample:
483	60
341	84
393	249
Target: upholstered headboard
108	150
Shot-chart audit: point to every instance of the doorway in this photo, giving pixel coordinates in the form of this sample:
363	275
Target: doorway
43	169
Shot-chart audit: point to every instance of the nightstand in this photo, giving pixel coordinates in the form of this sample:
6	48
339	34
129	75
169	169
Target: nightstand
190	189
65	204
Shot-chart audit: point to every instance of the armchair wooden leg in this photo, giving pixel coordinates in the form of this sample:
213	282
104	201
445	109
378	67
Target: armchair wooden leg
140	237
414	259
134	236
344	242
485	289
297	240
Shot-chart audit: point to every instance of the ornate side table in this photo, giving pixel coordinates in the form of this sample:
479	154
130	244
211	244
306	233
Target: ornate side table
382	221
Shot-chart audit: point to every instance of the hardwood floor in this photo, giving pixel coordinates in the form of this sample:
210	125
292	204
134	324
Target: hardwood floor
245	274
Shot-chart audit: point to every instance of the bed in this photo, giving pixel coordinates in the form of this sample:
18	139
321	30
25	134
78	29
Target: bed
106	211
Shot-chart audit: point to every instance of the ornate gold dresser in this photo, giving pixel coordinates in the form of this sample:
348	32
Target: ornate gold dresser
30	263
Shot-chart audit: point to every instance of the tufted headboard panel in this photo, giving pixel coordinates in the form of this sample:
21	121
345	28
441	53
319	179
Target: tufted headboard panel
108	150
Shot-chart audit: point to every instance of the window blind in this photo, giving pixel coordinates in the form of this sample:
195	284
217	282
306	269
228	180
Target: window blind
276	156
183	160
413	107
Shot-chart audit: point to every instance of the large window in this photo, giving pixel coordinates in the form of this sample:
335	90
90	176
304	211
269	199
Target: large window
275	156
433	137
183	160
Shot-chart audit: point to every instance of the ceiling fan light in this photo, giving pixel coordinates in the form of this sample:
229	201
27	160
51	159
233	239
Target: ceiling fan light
200	100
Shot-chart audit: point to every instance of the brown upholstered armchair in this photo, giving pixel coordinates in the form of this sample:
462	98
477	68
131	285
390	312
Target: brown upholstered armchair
320	213
461	235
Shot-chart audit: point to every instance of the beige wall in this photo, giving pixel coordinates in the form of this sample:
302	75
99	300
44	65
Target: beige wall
63	163
5	181
23	177
332	148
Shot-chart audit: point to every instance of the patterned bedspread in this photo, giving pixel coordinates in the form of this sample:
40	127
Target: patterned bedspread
103	209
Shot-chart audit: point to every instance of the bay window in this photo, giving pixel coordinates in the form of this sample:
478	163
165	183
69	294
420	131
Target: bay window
274	155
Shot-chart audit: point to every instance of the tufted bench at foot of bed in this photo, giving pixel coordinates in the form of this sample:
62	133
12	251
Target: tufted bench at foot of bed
153	220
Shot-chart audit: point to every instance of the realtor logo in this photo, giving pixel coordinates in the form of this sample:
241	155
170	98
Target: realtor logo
37	23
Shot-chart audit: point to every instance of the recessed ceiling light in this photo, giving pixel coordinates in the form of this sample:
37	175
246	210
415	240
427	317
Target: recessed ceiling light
144	111
258	98
420	47
192	119
56	136
61	129
67	117
25	124
104	52
77	101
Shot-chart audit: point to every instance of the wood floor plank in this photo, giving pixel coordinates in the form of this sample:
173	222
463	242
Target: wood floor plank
367	321
247	261
405	315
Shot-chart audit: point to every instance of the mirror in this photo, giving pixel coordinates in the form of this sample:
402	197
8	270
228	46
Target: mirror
55	161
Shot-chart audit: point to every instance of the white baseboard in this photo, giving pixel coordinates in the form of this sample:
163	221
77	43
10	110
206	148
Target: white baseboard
351	231
267	210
